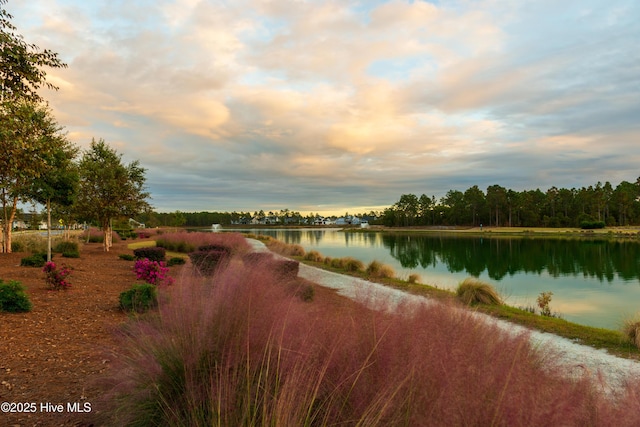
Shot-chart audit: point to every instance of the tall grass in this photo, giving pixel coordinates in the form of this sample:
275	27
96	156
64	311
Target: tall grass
189	242
246	352
472	291
379	270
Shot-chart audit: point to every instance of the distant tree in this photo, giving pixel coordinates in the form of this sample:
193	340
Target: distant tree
109	189
474	199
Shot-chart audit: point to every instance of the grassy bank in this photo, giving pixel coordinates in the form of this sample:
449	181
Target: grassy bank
242	348
612	341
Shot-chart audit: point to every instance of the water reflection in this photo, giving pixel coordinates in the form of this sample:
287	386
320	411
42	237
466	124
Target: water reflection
499	257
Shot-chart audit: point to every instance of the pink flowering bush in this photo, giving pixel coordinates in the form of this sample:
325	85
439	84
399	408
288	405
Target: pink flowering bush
154	272
55	277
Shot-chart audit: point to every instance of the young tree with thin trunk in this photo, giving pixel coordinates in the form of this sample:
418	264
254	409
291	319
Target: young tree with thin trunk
28	133
109	189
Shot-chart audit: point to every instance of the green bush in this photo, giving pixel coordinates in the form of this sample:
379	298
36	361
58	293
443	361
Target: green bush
176	261
127	257
17	246
34	260
13	298
67	246
71	254
592	225
152	253
140	298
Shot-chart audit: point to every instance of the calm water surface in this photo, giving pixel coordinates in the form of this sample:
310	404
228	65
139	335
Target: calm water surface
594	282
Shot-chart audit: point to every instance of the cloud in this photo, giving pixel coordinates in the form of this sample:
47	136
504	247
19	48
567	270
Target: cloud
310	104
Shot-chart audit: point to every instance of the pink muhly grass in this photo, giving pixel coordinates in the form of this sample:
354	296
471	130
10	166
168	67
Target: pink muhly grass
188	242
239	349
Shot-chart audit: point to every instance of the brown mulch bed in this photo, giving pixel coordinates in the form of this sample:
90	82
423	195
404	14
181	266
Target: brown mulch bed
60	351
56	353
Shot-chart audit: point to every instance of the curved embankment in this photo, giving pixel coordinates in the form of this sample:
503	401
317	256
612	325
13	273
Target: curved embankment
611	372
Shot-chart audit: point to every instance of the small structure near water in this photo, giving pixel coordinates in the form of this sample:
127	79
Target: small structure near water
215	227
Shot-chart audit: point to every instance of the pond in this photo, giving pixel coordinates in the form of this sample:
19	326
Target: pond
595	281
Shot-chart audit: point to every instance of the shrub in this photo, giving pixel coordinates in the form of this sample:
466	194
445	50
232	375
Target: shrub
413	278
97	236
140	298
152	253
56	278
153	272
66	246
176	261
206	262
472	291
13	297
543	302
71	254
592	225
17	246
34	260
126	257
376	269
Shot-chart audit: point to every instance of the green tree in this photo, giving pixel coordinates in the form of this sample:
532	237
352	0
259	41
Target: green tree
29	136
475	201
59	184
21	63
108	188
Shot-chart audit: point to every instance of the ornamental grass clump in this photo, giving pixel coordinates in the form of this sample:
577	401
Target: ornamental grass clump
186	242
631	330
378	270
56	276
248	352
472	291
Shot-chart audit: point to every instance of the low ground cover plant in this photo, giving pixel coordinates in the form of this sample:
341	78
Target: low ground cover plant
247	352
13	298
176	261
57	276
127	257
472	291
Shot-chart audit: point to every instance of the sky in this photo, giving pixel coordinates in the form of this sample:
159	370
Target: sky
342	106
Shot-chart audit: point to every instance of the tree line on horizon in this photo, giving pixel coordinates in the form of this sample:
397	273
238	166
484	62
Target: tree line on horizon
595	206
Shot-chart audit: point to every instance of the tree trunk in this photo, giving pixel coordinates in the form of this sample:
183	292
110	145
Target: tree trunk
49	230
107	230
7	225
